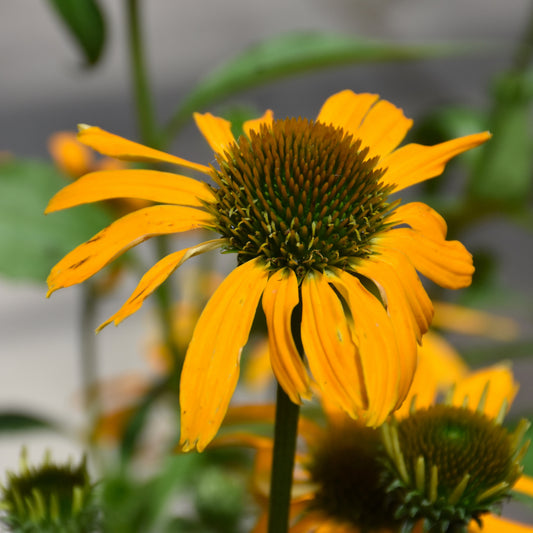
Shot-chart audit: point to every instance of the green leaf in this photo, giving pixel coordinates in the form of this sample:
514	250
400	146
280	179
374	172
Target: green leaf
31	242
294	53
504	175
86	23
21	421
131	505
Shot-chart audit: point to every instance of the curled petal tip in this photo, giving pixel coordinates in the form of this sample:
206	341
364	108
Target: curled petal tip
82	127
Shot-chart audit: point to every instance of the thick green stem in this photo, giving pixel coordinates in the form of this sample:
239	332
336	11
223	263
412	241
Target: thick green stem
142	94
285	434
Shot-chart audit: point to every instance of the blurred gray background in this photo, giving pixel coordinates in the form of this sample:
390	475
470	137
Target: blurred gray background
43	89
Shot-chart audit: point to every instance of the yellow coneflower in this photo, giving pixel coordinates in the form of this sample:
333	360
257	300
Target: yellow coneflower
443	468
306	206
451	465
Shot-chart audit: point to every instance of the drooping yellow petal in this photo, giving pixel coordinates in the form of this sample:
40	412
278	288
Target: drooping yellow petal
120	236
279	299
383	129
404	321
153	278
211	367
328	345
496	524
152	185
524	485
216	131
256	123
394	266
439	368
115	146
501	388
346	110
69	154
374	335
447	263
414	163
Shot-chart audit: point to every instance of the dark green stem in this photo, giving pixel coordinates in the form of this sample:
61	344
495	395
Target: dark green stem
285	434
142	94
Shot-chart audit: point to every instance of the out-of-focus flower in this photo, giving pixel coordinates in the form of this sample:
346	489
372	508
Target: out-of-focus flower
307	208
49	498
347	481
461	319
453	464
75	159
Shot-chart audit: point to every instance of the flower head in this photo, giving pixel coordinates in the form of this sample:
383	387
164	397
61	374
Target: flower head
307	208
451	464
49	498
441	468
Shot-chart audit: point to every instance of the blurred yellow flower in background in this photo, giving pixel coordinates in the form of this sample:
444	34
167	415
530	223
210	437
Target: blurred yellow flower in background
340	483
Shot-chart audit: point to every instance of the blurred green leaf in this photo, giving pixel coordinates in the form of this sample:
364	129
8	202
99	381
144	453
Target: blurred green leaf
22	421
447	123
219	499
137	423
294	53
31	242
504	174
132	506
86	23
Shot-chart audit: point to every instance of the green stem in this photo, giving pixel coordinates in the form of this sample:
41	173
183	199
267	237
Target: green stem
88	359
285	434
142	94
151	137
166	314
524	53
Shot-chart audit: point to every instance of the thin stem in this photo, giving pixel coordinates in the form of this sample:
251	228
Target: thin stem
88	358
285	434
524	53
166	314
150	136
142	93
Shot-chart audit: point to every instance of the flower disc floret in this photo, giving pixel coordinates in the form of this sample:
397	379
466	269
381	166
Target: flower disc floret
301	194
346	469
449	465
